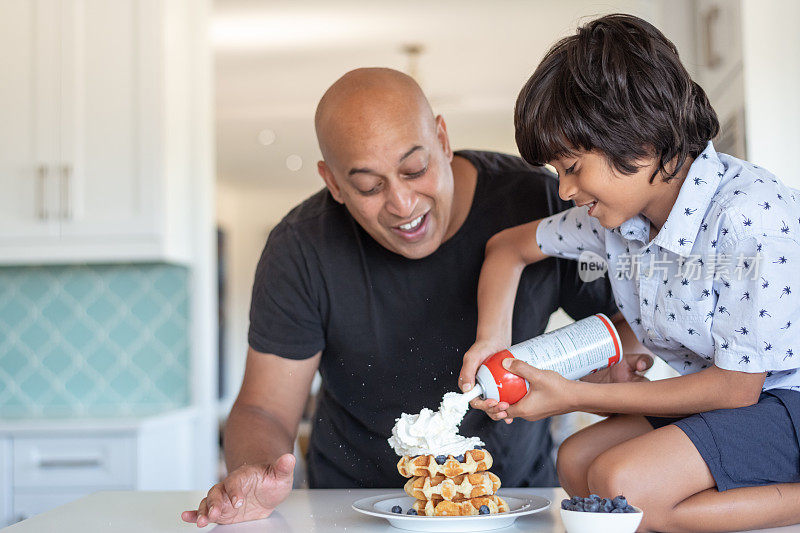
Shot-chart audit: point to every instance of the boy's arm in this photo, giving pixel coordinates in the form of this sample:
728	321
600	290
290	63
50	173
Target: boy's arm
507	254
706	390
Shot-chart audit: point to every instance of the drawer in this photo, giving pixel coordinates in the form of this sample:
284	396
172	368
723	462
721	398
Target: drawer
101	462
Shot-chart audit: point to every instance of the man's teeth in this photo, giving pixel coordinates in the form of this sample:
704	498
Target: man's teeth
413	224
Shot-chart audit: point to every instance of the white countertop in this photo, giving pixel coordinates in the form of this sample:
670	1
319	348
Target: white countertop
47	426
317	511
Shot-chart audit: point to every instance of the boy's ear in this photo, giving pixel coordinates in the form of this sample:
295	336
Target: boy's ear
330	181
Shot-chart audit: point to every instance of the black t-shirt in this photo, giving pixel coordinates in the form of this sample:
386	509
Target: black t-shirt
393	330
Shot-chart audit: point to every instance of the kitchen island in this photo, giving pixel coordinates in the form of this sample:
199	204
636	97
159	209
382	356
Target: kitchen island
304	511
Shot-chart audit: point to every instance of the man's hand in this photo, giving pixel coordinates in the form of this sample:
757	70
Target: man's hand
631	368
250	492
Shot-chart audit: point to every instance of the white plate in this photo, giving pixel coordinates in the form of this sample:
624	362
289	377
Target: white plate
519	505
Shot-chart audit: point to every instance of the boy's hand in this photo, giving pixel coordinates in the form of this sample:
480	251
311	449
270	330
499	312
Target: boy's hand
473	358
550	394
631	368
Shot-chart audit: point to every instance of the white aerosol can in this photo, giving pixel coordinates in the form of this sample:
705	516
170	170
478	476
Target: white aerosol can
573	351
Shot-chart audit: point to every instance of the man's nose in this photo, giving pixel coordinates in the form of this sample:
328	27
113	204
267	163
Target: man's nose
567	188
401	200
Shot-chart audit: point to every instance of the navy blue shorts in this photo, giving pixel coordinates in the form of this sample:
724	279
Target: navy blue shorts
748	446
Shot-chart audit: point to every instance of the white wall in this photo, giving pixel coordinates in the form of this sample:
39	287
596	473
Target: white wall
771	49
246	215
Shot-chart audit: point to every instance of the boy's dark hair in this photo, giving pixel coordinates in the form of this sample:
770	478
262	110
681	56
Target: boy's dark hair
617	86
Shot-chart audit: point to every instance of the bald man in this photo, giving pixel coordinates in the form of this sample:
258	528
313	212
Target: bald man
372	281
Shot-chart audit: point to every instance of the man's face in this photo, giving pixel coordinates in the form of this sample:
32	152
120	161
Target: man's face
397	183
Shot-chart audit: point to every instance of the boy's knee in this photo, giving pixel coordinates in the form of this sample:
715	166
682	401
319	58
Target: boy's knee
571	463
609	476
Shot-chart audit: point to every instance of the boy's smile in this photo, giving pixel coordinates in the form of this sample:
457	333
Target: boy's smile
588	179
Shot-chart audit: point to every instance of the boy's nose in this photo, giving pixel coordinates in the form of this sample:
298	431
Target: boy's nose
567	189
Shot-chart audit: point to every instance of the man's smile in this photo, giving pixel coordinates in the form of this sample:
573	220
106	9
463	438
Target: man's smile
414	229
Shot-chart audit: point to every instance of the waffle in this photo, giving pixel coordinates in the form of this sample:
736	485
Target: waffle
426	465
468	507
453	489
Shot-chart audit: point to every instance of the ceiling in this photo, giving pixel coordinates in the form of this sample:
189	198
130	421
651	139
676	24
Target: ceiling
274	60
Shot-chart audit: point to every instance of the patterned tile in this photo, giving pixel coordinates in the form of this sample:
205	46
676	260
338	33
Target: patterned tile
93	340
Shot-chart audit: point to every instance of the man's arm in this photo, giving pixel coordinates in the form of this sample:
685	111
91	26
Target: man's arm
259	439
264	419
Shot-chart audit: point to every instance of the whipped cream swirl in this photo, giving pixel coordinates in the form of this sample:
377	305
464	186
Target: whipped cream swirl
434	433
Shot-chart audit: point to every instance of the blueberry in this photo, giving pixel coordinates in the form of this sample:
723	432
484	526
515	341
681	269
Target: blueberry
411	511
594	497
478	447
606	506
620	502
592	507
397	509
578	507
483	509
629	509
617	510
565	503
440	459
576	499
460	458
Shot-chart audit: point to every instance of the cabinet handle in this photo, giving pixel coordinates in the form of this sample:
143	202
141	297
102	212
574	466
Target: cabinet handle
41	192
69	463
66	196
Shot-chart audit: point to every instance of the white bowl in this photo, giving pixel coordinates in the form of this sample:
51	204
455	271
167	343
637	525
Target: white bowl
585	522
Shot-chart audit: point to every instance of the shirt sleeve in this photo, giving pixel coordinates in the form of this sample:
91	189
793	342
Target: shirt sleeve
285	317
757	315
570	233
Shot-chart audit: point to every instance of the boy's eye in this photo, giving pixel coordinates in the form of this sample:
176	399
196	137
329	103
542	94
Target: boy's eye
571	169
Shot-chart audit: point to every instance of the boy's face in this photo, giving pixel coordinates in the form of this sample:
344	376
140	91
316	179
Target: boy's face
587	178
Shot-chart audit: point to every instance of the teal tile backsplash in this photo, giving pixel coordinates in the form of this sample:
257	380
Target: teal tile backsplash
93	340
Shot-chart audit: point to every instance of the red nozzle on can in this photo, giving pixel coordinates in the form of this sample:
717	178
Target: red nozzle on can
510	388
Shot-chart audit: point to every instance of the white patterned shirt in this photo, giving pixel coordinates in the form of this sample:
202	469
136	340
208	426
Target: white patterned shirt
719	284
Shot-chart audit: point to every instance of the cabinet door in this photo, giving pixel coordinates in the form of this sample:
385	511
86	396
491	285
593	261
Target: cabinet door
29	33
109	100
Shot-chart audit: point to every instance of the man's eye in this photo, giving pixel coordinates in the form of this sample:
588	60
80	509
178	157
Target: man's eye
418	173
571	169
371	191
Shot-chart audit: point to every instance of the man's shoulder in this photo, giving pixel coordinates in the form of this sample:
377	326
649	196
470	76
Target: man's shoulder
497	163
315	213
507	182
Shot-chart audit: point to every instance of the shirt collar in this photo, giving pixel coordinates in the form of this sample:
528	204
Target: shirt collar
680	230
635	229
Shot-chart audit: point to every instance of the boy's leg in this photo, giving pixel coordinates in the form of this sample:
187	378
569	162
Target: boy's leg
579	450
663	473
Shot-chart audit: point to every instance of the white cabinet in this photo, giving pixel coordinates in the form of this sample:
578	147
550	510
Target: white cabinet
6	507
97	130
44	464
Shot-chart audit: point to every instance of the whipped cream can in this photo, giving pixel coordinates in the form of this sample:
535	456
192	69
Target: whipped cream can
573	351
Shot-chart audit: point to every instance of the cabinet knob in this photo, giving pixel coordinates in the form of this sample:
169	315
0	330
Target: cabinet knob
66	194
41	193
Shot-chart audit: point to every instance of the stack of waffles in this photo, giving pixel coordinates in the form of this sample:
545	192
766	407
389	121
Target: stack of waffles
452	486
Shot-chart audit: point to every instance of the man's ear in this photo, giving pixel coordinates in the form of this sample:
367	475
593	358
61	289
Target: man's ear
444	139
330	181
